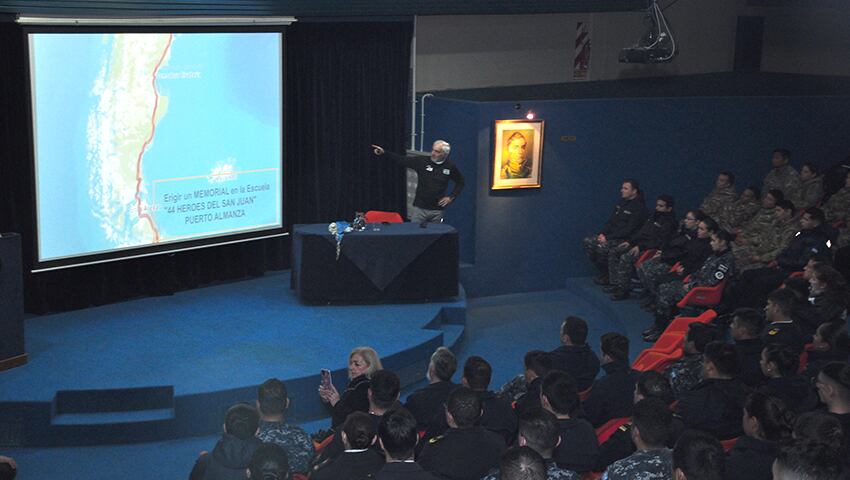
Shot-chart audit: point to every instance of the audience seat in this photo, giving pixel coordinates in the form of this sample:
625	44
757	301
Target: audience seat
319	446
703	296
299	476
646	256
680	324
675	266
651	360
796	275
377	216
604	432
668	342
728	444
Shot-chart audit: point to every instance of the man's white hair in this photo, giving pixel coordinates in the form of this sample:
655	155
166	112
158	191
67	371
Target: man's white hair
443	145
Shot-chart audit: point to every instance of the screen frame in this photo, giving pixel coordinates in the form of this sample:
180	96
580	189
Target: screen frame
126	253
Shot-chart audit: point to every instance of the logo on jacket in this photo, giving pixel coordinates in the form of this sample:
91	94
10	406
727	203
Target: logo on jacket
446	171
429	168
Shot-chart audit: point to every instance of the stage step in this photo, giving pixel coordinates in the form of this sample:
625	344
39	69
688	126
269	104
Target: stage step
112	406
109	418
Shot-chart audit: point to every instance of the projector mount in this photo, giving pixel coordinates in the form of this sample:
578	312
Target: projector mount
656	45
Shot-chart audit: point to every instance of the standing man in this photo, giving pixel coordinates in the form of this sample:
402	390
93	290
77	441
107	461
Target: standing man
434	175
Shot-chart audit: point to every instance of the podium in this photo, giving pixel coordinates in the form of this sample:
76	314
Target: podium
11	302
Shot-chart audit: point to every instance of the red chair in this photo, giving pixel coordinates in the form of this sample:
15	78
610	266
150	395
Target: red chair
675	267
728	444
319	446
604	432
377	216
650	360
299	476
668	342
646	256
681	324
703	296
796	275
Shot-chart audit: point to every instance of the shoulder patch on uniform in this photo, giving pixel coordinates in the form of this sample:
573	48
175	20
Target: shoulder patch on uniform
434	440
719	275
773	331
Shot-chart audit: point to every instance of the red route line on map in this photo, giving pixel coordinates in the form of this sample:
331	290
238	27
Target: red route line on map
145	215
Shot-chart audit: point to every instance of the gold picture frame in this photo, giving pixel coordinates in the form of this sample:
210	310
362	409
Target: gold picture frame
517	154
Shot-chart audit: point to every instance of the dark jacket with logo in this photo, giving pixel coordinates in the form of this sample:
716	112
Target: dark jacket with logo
806	244
627	218
656	231
462	453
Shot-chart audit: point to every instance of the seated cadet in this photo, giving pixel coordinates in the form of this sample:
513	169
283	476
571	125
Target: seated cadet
838	203
739	213
629	214
522	463
398	437
760	251
233	451
268	461
828	299
758	226
808	460
575	356
780	364
780	327
766	423
427	402
651	423
698	456
650	384
654	234
715	404
685	373
721	196
611	396
538	429
821	427
690	255
465	451
358	434
272	403
746	329
498	416
782	175
831	343
579	446
811	188
537	364
717	268
833	386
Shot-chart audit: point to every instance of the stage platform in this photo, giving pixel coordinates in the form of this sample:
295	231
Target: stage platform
168	367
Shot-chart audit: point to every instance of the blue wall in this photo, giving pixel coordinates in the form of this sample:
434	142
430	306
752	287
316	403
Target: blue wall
525	240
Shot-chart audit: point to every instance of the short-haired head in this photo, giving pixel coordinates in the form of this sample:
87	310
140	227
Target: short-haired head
464	405
242	421
837	375
730	177
477	373
777	194
443	363
538	361
561	392
785	357
269	462
723	235
442	146
384	387
834	337
699	456
653	419
634	184
786	205
710	224
701	334
540	430
820	427
522	463
272	397
783	153
668	200
576	329
783	300
8	469
653	384
359	429
803	460
398	434
724	357
748	321
615	346
829	277
816	214
811	167
754	190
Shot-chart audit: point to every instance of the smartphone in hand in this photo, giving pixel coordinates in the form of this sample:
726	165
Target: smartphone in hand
326	379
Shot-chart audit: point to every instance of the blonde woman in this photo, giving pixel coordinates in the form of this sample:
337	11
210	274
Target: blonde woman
362	363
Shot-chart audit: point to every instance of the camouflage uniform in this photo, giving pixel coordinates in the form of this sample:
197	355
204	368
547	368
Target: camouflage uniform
811	191
844	232
766	251
553	472
642	465
737	214
715	269
654	234
649	271
786	179
685	373
514	389
759	227
293	439
718	200
836	207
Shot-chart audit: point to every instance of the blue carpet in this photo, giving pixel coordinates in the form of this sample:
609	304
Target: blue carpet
501	329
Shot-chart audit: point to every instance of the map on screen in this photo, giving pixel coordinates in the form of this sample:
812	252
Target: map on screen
150	138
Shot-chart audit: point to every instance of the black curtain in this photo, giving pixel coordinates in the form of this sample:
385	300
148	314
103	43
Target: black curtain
345	87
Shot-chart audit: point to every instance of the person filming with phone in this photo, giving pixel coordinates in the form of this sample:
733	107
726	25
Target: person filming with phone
434	174
362	363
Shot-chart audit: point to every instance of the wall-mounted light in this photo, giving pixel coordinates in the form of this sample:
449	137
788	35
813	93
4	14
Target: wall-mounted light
529	115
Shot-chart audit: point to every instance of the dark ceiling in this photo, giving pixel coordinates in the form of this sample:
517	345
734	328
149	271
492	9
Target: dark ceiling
312	8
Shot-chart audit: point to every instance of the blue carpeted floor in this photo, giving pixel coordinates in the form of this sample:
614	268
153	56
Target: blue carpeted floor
501	329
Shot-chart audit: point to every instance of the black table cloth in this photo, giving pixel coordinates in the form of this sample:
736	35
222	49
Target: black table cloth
400	261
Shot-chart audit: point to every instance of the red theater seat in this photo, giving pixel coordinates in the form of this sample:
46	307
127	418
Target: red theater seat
658	361
680	324
377	216
604	432
728	444
703	296
646	256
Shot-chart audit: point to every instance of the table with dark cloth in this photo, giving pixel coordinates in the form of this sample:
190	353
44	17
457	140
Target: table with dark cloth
400	261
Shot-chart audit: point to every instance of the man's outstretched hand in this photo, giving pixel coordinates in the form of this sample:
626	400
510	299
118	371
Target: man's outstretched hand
379	150
444	201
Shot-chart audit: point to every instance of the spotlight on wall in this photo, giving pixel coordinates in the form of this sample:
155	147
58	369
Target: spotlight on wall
529	115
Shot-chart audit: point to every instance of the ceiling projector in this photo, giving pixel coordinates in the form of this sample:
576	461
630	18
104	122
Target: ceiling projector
656	45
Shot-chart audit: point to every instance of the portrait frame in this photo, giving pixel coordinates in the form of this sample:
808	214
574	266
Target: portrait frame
517	154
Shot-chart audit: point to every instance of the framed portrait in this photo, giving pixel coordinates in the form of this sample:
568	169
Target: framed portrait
517	154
